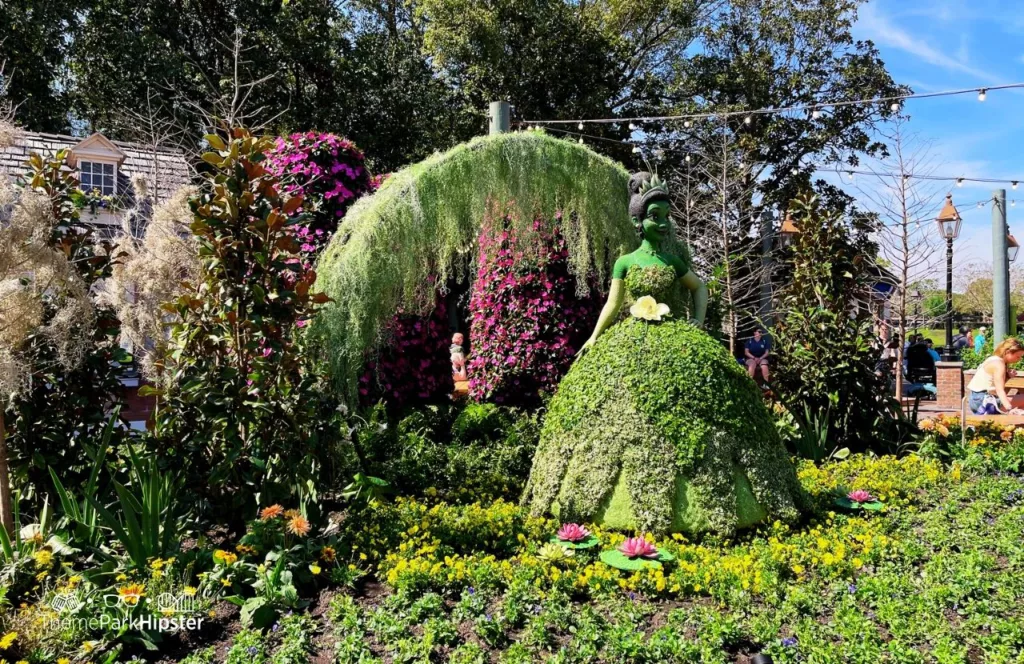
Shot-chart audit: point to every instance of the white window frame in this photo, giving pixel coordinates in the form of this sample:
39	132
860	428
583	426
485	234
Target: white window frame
92	164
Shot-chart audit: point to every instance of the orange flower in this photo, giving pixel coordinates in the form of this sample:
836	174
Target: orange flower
926	425
328	554
943	431
1006	435
297	525
131	593
271	512
291	514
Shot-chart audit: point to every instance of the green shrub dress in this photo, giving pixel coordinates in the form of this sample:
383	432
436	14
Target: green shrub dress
657	428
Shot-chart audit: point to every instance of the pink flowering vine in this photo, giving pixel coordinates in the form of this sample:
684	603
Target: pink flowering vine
328	172
527	321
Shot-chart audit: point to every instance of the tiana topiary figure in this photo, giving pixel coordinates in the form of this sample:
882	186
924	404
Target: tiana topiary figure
656	427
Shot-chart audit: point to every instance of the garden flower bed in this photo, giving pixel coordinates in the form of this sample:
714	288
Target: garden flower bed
934	576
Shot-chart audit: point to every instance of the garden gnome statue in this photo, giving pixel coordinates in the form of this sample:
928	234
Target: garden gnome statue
458	358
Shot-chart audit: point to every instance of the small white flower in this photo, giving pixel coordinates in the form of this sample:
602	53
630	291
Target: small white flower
648	308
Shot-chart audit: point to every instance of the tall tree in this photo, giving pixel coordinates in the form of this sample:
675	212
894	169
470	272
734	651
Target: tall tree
35	37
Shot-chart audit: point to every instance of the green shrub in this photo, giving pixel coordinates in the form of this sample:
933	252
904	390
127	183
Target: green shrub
826	355
245	412
474	451
658	428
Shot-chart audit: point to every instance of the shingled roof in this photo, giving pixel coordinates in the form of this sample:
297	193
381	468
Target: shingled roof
165	170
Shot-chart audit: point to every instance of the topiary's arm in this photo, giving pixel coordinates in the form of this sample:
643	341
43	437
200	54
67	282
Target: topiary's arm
608	314
700	296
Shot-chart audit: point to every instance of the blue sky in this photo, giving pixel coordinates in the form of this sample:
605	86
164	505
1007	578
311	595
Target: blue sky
952	44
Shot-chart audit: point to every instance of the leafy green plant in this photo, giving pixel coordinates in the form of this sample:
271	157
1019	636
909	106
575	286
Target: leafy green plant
147	518
245	412
825	357
81	516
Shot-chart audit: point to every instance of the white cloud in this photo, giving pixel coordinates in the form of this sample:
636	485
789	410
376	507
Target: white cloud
883	32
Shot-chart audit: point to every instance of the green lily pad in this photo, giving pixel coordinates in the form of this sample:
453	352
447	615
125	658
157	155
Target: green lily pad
846	503
618	560
587	542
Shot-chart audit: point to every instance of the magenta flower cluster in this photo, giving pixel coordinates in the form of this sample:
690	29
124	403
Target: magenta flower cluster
526	320
415	366
328	172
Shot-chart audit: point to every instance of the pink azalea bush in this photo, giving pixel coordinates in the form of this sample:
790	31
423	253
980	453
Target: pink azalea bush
860	496
638	547
415	365
328	172
526	320
572	532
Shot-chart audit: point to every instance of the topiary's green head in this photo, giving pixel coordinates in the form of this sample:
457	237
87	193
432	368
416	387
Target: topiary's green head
649	207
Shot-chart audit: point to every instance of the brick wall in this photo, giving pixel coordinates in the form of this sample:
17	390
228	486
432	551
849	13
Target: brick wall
949	381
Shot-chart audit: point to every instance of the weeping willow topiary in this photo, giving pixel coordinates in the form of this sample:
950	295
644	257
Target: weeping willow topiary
416	234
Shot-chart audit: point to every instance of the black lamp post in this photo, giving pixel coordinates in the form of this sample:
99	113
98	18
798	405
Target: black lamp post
949	228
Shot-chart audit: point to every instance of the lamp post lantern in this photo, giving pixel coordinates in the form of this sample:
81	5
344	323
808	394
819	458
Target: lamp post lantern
948	223
788	232
1011	247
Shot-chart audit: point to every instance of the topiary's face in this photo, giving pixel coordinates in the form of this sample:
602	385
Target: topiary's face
656	226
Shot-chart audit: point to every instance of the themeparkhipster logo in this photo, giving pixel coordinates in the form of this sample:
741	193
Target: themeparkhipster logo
126	611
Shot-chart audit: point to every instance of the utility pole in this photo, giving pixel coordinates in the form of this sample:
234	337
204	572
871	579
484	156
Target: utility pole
1000	269
499	114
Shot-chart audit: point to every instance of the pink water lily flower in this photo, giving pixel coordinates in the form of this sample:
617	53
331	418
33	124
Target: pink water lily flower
860	496
573	532
638	547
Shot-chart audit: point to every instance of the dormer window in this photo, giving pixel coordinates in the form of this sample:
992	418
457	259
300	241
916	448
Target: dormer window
98	176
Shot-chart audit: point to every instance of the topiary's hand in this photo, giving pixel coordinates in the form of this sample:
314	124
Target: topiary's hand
585	347
696	323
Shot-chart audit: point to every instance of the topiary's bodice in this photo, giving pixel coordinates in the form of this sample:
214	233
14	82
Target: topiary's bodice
654	280
660	282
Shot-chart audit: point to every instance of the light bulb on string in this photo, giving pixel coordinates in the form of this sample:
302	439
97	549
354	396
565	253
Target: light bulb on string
747	120
1013	184
981	204
959	182
982	93
794	171
686	124
632	127
580	140
580	126
815	114
687	159
849	175
636	149
894	107
1013	203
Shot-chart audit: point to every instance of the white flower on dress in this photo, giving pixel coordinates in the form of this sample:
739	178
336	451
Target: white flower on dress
648	308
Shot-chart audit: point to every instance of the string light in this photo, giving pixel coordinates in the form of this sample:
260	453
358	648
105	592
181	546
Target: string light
815	114
981	94
687	158
959	182
1013	203
747	120
580	140
1013	184
981	204
896	102
849	175
636	149
580	126
686	124
632	127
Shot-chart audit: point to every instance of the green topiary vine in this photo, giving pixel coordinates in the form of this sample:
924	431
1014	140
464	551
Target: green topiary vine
416	234
657	428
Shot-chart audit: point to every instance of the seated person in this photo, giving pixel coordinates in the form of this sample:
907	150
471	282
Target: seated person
756	353
986	393
979	340
920	367
963	339
931	351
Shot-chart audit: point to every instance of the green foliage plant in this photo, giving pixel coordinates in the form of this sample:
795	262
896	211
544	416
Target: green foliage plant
825	348
148	517
244	412
418	231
